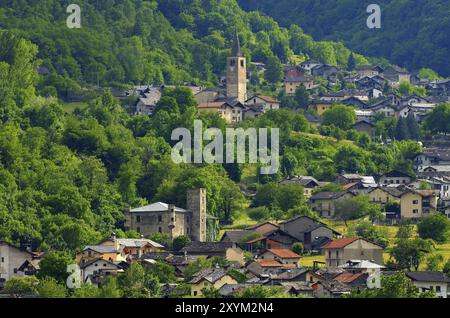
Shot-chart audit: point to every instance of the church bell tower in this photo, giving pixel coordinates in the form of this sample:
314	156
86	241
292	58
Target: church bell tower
237	73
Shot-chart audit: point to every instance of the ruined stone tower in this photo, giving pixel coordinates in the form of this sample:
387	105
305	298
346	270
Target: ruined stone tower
237	73
196	204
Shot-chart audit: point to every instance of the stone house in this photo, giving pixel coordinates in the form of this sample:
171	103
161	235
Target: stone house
340	251
292	83
167	218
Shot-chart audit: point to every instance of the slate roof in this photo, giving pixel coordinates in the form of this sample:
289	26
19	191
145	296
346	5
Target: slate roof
138	242
211	275
102	249
236	236
428	276
396	174
207	247
156	207
290	274
328	195
394	191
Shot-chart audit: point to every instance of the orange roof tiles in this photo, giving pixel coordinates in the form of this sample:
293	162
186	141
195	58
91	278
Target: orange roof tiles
347	278
340	243
284	253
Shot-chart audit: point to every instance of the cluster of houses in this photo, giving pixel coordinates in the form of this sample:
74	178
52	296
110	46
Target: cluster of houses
262	255
369	85
265	254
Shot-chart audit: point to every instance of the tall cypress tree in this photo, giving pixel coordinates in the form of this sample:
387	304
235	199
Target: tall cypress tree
351	63
401	130
413	127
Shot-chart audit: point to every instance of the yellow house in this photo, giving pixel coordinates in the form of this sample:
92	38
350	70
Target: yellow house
210	278
416	204
106	252
384	195
321	106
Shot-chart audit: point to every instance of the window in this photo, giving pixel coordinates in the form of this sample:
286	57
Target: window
232	63
415	211
242	63
438	289
138	229
138	218
415	201
160	229
329	254
195	293
3	259
159	218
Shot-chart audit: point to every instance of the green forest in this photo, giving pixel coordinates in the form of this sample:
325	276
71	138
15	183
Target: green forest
151	42
414	33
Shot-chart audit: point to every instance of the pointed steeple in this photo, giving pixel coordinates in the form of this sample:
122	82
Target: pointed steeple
236	51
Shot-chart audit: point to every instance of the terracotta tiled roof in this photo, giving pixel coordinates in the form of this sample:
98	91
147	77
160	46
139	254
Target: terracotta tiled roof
340	243
347	278
284	253
273	263
268	263
211	105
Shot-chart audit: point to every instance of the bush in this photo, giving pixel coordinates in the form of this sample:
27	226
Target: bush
257	214
180	242
298	248
435	227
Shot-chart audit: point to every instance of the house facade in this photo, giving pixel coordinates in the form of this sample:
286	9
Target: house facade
416	204
169	219
308	231
11	259
340	251
324	203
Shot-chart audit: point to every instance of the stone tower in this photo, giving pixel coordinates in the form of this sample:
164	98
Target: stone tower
237	73
196	204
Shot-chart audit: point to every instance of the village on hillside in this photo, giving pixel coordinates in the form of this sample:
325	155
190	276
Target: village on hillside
303	256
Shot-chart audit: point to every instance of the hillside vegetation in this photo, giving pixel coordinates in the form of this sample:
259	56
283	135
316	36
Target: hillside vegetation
414	33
